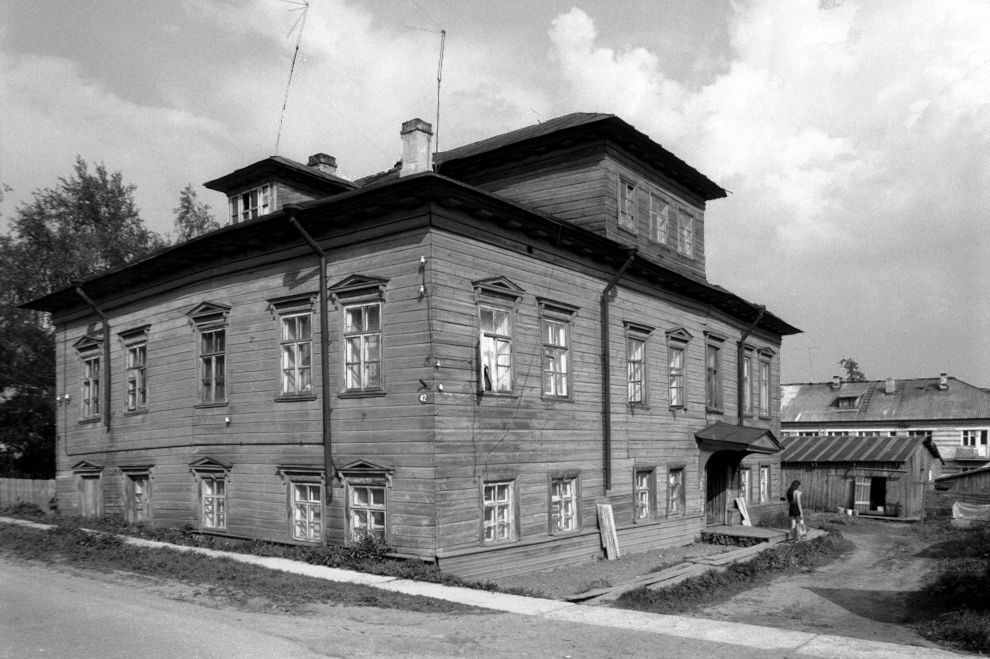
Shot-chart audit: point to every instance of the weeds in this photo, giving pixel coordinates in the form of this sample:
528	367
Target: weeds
719	584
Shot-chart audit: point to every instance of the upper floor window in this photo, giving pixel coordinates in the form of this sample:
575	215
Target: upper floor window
496	307
210	321
363	346
136	374
660	212
713	373
975	439
89	350
747	385
636	382
627	205
555	322
685	234
765	387
294	318
252	203
677	343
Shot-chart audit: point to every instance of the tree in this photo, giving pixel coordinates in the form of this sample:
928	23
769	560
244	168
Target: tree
86	224
192	217
851	367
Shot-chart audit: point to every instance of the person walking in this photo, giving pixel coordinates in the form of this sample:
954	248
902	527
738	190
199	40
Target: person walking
795	511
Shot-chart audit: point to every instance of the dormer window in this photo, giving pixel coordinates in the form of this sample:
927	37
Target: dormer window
252	203
847	402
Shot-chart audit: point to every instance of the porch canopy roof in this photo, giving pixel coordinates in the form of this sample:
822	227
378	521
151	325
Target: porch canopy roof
727	437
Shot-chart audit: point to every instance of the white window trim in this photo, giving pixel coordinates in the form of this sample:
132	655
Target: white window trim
501	527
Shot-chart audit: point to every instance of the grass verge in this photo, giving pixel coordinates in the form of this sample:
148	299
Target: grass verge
956	592
218	580
717	585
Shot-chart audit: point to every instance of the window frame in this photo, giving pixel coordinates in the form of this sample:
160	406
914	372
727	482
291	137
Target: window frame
89	351
627	200
557	503
685	233
295	308
556	383
644	494
714	380
678	340
366	476
765	389
676	490
746	484
360	292
135	342
976	439
637	334
510	506
367	336
210	318
264	202
308	478
211	470
496	296
765	484
660	212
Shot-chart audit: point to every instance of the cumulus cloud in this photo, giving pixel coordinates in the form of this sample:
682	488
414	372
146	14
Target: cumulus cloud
854	142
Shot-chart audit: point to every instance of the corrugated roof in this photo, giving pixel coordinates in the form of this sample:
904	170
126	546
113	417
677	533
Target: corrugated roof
917	399
847	448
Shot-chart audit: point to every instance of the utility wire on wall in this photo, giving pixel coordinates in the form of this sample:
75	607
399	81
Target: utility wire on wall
302	5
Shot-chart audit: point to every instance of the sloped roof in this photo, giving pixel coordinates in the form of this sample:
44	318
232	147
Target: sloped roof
285	168
916	399
848	448
561	130
726	436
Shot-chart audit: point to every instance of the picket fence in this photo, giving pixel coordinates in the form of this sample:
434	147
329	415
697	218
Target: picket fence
23	490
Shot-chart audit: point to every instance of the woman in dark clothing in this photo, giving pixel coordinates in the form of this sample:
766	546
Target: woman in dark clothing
794	510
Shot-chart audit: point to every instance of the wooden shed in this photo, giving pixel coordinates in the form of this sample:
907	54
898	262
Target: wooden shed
884	476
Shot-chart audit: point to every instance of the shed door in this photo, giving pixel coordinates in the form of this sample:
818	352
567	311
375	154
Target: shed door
861	496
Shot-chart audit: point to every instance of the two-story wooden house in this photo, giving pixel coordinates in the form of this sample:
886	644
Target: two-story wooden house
463	357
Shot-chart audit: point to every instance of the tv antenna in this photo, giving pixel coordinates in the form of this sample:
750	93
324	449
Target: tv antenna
303	6
443	39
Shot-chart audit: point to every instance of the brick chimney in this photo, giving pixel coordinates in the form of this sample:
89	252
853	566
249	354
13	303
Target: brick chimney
943	381
324	163
836	381
890	386
417	156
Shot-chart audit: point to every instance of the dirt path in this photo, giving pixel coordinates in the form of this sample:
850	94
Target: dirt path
862	595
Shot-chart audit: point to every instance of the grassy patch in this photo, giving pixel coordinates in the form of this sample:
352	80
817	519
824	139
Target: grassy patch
220	579
716	585
956	592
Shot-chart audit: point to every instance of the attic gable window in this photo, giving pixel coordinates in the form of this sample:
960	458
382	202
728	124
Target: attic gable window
252	203
685	234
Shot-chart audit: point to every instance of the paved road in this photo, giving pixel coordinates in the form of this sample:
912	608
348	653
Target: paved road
47	612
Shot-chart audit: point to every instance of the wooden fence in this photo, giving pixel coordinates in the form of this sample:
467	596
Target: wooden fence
22	490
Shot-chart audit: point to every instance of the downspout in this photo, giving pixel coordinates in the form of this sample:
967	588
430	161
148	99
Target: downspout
760	310
606	373
106	353
324	344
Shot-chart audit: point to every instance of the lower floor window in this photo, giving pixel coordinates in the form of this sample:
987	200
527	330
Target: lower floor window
675	491
498	512
643	491
744	484
764	484
307	512
563	505
213	491
367	512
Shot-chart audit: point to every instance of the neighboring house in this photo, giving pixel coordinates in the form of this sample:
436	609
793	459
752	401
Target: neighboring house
873	475
954	414
966	487
463	360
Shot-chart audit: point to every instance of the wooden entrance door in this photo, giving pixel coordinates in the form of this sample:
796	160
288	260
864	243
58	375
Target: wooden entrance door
717	477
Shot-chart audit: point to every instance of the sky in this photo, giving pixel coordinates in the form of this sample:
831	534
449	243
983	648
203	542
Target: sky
853	136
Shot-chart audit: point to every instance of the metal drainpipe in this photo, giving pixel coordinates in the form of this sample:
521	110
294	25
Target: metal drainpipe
106	353
324	344
606	374
760	310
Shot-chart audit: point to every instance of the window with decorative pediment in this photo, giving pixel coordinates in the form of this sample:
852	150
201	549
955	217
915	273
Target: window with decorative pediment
90	350
367	486
677	345
136	368
497	299
361	301
306	510
555	330
210	321
637	337
212	476
294	315
714	399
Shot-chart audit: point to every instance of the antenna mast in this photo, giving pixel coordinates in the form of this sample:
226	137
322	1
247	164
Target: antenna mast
443	39
301	22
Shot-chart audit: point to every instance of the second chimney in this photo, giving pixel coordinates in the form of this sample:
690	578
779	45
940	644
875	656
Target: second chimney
943	381
324	163
889	388
836	381
416	153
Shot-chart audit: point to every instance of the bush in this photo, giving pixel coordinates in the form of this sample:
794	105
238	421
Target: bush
966	630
